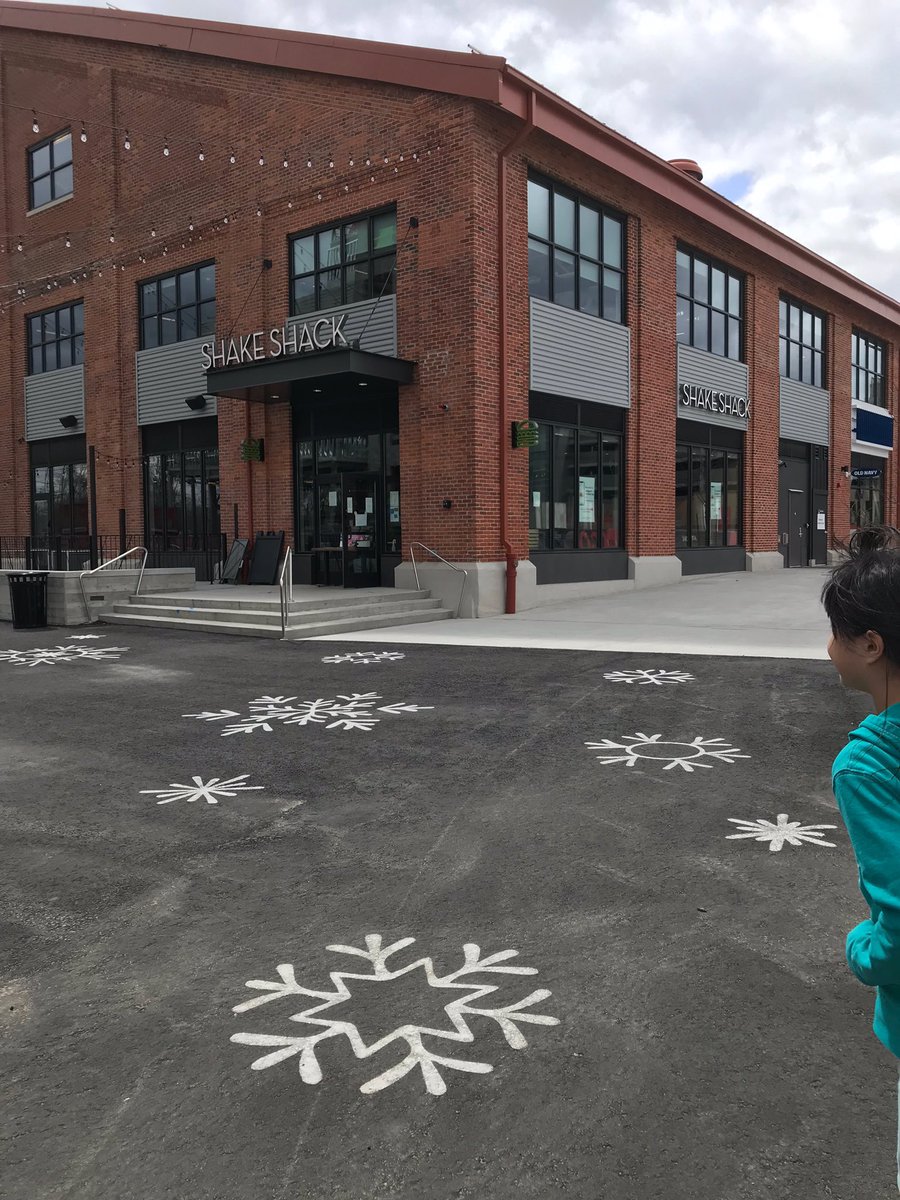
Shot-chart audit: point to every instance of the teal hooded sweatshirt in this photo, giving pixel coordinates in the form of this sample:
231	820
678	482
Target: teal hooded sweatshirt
866	781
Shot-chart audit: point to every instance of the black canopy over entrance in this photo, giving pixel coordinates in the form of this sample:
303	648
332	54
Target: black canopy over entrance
270	379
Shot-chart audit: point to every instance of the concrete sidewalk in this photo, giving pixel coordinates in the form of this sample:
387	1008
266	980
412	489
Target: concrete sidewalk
765	615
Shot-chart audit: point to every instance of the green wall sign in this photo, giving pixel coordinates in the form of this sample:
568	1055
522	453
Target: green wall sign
525	434
252	450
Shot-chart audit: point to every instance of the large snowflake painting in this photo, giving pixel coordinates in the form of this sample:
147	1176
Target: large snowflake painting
650	676
689	756
211	790
417	1044
358	710
781	831
50	656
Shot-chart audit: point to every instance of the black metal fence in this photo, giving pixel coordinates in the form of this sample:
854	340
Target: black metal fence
83	552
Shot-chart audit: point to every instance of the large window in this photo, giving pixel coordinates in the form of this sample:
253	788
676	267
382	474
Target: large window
56	339
50	170
707	497
176	308
709	305
344	263
575	489
59	487
575	252
801	343
867	369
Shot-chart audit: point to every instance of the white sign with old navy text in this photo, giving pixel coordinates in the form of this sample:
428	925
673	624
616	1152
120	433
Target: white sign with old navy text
324	334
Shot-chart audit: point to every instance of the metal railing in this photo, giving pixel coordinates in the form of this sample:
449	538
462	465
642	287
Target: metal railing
103	567
286	587
434	554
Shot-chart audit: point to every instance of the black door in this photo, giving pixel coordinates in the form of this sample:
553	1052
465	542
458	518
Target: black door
361	533
798	530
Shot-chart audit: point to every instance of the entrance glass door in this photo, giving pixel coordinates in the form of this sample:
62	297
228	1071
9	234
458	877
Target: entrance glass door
360	515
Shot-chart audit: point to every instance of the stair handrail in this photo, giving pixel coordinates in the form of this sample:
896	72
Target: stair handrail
286	588
87	608
452	566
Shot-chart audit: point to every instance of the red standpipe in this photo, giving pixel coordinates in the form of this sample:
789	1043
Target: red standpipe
505	429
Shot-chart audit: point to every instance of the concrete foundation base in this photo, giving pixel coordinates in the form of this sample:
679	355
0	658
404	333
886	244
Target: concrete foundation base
65	605
654	570
836	557
485	587
764	560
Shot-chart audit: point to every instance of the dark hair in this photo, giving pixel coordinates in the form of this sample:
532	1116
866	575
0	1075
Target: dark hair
863	592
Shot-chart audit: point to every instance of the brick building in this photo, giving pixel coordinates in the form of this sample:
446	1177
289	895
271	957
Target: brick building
260	280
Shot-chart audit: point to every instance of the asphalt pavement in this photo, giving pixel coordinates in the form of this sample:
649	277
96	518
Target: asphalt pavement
676	1023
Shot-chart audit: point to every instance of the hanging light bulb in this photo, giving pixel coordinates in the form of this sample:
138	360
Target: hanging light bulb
225	221
262	161
368	162
231	158
83	134
68	241
153	233
331	162
285	162
351	162
127	142
309	162
34	123
290	204
19	246
190	225
258	211
166	150
112	237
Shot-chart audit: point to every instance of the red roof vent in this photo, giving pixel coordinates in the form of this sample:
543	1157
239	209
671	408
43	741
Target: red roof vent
688	166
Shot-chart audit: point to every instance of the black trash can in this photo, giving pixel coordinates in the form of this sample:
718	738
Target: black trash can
28	599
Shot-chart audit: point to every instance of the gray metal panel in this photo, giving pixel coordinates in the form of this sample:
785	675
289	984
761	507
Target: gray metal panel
708	370
166	376
378	317
804	413
575	354
50	396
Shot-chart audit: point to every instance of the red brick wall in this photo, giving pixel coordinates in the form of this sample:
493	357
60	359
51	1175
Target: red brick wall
447	281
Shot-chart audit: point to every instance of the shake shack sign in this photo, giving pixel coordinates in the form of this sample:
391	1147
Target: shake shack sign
326	333
726	404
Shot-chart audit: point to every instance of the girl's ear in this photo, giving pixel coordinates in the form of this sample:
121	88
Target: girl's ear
873	645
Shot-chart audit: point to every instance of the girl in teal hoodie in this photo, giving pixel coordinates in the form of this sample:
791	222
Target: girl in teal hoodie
862	600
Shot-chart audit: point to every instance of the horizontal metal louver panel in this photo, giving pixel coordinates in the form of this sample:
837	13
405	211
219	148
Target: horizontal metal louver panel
804	413
50	396
706	370
378	318
166	376
575	354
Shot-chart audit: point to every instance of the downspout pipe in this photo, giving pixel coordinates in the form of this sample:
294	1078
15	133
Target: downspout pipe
502	262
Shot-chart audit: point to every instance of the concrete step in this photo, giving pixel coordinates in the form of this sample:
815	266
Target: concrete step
188	600
272	616
309	629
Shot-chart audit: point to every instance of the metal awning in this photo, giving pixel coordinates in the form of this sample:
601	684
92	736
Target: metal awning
270	379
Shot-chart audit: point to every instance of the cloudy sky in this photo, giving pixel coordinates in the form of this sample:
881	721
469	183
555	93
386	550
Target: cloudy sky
792	108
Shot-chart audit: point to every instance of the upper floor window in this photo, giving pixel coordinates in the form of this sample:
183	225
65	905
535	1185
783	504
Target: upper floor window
709	305
50	170
344	263
56	339
575	252
801	337
176	308
867	369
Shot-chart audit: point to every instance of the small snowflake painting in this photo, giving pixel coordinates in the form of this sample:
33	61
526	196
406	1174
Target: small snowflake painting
212	791
364	656
86	637
323	1016
651	676
687	755
355	711
776	833
52	655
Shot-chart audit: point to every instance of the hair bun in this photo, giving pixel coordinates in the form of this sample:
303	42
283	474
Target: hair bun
873	539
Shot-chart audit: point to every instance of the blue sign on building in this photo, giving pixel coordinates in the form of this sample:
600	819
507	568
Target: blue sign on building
875	428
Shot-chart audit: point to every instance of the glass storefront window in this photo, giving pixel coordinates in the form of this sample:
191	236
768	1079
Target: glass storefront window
707	497
540	475
306	520
733	500
563	488
699	496
392	539
59	501
866	494
182	499
575	489
682	492
588	478
611	493
717	497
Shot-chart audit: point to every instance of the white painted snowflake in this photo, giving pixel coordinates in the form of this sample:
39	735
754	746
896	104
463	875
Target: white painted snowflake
355	711
687	755
85	637
211	791
52	655
649	676
364	656
781	831
322	1022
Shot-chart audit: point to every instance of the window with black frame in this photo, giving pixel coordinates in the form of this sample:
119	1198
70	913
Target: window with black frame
709	305
575	485
50	174
707	497
56	339
868	361
576	252
801	343
344	263
59	487
178	307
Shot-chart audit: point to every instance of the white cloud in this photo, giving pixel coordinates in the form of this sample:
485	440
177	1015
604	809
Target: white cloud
804	98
